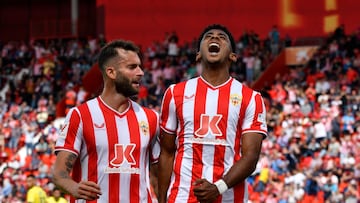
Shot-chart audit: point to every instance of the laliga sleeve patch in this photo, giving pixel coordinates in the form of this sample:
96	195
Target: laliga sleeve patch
64	130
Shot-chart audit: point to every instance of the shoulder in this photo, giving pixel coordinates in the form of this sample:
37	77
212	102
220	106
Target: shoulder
185	82
82	105
243	86
191	83
136	106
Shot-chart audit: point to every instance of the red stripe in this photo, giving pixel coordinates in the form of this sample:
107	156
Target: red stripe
178	96
112	135
74	123
76	173
73	128
239	192
89	137
149	198
258	109
165	107
152	119
199	108
219	153
153	124
134	138
246	96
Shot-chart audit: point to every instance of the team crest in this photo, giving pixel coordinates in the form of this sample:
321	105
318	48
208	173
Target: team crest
144	127
235	99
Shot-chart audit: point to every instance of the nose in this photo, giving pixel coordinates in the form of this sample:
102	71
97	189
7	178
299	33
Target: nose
140	71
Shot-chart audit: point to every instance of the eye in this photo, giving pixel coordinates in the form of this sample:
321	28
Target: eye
224	37
133	66
207	36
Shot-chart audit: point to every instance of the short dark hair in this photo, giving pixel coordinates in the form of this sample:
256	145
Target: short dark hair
217	27
109	51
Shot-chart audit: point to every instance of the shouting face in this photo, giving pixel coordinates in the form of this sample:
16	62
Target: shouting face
215	47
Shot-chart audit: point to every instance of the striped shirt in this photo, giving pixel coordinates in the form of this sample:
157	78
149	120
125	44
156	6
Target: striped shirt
113	149
208	122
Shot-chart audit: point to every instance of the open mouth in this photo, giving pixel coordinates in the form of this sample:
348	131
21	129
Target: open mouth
214	48
136	83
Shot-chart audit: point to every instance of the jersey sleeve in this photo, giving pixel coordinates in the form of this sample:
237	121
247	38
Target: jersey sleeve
168	120
71	133
154	121
255	116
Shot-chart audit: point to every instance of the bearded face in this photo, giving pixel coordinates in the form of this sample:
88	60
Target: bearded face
124	85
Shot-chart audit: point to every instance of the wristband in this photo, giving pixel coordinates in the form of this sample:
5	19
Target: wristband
221	186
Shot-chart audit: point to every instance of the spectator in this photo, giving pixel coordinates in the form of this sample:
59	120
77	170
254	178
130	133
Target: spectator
35	193
56	196
262	179
331	69
249	59
70	97
29	131
274	37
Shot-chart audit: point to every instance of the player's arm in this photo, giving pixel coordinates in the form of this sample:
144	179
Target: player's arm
166	160
61	177
251	141
154	177
250	152
251	147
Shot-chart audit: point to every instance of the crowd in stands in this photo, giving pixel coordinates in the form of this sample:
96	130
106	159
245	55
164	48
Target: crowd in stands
312	152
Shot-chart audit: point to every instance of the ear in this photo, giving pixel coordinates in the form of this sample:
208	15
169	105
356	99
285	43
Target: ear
110	72
233	57
198	57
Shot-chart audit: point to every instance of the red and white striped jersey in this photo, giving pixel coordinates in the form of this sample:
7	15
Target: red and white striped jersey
208	122
113	149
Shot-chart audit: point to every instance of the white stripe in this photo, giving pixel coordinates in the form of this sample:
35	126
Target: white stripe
101	143
211	109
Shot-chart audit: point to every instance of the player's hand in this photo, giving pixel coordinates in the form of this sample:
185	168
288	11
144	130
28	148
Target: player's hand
87	190
205	191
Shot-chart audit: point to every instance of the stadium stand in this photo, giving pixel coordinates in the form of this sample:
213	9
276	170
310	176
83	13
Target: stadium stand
312	153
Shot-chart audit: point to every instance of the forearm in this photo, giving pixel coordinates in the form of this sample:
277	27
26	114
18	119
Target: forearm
165	169
64	181
240	170
61	172
244	167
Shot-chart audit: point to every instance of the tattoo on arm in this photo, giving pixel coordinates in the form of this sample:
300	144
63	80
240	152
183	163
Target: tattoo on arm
70	162
65	173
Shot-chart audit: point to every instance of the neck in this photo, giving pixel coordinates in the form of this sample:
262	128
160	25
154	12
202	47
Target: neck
215	76
118	102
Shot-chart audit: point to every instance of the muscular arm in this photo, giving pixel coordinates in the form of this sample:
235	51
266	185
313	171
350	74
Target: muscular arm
166	160
250	152
61	176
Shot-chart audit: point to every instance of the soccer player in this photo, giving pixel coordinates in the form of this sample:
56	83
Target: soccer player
212	129
109	142
35	194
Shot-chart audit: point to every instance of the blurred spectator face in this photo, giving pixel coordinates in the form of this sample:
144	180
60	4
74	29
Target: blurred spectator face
30	182
57	193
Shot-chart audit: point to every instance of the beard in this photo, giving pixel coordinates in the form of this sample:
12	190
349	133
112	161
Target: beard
124	86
